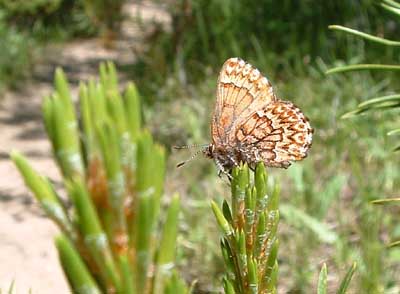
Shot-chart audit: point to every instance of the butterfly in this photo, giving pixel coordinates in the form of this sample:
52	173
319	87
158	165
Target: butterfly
250	124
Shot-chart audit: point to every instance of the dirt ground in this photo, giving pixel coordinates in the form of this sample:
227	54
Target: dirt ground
27	252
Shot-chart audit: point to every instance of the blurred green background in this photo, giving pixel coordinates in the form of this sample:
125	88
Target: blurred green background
175	60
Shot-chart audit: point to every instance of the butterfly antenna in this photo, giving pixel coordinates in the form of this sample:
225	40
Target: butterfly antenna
191	158
190	146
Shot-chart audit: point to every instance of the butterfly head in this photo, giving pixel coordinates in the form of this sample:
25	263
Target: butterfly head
208	151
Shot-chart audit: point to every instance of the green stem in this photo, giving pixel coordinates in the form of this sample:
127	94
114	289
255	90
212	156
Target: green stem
365	36
362	67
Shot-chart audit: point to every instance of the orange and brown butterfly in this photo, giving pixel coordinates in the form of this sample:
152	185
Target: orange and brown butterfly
250	124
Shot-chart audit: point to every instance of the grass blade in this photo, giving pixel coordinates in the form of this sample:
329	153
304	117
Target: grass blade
387	98
387	201
355	67
322	280
365	36
347	278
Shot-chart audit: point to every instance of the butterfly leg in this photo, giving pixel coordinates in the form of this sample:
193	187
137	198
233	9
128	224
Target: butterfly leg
222	170
233	160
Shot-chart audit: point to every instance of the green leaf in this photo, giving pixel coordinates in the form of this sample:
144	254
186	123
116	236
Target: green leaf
252	275
392	3
365	36
379	100
346	280
394	244
176	285
393	132
228	287
387	201
132	109
393	10
87	217
227	212
222	222
74	267
127	275
363	67
167	245
322	280
43	192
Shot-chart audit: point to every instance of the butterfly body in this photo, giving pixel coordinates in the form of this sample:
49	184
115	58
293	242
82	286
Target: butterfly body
250	124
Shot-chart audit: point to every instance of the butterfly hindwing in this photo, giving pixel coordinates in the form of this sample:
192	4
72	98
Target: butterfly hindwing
277	134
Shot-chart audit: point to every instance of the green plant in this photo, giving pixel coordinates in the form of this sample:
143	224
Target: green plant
113	173
249	225
250	235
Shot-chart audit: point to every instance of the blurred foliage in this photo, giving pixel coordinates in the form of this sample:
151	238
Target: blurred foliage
210	31
374	267
48	20
17	50
30	7
107	15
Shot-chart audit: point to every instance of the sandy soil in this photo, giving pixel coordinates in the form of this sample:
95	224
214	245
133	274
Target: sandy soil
27	253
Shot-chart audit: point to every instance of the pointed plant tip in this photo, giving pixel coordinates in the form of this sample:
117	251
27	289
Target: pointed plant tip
59	71
332	27
348	115
14	154
392	200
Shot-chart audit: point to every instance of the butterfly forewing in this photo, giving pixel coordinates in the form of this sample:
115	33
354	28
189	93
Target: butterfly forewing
241	89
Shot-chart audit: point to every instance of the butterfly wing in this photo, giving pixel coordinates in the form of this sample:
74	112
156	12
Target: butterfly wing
277	134
241	90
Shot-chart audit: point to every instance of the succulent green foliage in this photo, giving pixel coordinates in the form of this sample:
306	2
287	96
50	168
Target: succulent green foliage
79	277
249	224
113	172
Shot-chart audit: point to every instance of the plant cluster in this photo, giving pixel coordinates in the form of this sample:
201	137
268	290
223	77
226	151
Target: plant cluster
111	240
